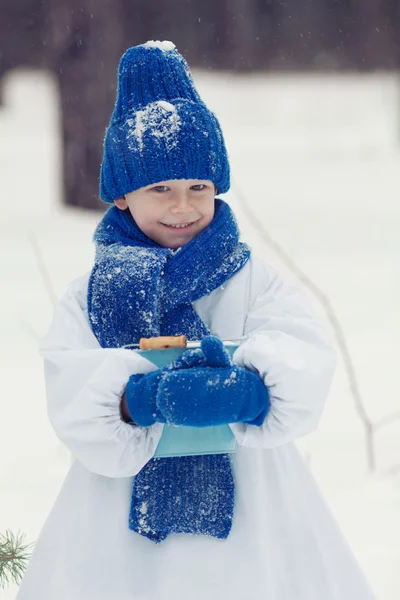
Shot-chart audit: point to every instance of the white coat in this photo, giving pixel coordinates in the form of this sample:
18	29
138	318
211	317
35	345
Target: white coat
284	543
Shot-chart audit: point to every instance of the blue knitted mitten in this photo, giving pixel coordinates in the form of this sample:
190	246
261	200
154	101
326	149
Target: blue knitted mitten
216	394
141	390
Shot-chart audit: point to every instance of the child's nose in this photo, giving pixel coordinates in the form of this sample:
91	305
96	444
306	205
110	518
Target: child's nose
181	204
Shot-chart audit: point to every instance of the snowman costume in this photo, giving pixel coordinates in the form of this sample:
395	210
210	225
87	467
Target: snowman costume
284	544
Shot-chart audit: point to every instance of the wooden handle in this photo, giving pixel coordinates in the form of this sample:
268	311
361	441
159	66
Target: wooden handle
159	343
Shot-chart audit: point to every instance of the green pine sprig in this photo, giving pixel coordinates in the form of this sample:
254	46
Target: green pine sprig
14	557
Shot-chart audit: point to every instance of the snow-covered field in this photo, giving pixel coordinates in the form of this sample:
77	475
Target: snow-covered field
315	163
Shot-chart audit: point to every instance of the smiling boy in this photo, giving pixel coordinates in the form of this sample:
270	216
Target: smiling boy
126	525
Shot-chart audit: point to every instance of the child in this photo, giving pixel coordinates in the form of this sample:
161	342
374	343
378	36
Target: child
169	262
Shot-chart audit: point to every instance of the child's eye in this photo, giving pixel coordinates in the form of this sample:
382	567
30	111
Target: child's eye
160	189
198	188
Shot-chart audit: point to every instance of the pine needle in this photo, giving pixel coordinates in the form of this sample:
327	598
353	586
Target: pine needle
14	557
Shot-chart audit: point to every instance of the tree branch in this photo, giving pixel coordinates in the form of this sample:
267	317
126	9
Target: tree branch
14	557
45	275
332	317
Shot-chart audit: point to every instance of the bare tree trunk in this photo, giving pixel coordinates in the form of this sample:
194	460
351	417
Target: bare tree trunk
241	24
87	41
21	34
371	43
391	21
305	26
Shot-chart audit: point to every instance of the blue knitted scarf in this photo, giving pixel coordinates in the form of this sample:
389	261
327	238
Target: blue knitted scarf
139	289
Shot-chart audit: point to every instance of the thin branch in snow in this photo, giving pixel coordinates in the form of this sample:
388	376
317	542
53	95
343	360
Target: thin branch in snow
43	270
386	420
369	427
30	330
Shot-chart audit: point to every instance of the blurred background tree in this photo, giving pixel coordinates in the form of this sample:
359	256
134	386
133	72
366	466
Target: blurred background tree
80	41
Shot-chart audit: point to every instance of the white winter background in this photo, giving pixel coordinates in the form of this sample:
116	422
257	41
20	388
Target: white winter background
316	164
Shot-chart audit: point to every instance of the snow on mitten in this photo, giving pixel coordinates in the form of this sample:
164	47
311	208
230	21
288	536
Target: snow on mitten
141	390
187	360
217	394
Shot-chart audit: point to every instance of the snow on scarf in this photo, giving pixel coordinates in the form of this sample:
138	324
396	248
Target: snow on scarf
139	289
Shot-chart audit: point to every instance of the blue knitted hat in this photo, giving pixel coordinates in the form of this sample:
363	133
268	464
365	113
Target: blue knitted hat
160	128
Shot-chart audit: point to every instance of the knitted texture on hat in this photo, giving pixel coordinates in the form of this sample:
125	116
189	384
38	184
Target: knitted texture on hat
139	289
160	128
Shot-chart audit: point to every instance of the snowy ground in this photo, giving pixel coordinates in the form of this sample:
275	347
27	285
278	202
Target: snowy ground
316	162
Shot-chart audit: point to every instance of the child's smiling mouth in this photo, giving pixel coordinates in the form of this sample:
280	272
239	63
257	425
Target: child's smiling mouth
179	226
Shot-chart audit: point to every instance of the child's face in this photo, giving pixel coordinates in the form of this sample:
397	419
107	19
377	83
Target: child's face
172	213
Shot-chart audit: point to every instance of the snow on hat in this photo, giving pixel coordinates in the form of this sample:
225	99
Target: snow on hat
160	128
